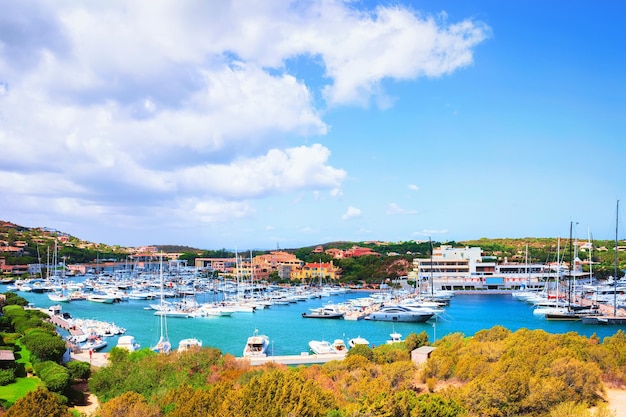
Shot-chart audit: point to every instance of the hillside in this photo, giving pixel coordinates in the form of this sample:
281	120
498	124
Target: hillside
21	245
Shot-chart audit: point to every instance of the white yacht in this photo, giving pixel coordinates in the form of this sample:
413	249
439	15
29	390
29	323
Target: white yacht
93	343
256	345
128	343
358	341
189	343
321	347
339	346
401	313
395	338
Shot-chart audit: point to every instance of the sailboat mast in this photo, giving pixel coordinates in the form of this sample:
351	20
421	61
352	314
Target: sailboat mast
571	260
432	282
616	262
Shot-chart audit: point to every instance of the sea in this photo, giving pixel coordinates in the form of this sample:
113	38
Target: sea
290	333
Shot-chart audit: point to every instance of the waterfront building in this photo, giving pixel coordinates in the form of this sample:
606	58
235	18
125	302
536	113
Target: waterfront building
468	269
315	271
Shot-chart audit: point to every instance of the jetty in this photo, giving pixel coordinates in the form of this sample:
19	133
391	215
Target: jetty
303	359
608	313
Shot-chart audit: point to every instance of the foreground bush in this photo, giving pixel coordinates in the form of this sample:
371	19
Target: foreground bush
39	403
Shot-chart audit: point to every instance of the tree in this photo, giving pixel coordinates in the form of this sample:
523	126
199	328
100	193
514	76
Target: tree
129	404
362	350
55	377
39	403
79	369
45	346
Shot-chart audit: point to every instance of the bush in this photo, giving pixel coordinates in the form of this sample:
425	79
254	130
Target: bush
7	376
45	346
79	370
39	403
362	350
54	376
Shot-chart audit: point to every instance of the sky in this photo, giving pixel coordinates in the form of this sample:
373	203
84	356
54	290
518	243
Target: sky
265	124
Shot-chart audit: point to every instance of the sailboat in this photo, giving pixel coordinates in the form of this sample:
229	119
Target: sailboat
567	312
163	345
614	318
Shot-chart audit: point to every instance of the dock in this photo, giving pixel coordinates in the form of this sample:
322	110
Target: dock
606	315
302	359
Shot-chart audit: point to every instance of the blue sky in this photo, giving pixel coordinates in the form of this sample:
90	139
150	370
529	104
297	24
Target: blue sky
286	124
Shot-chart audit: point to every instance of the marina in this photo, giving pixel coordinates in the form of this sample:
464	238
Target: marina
467	313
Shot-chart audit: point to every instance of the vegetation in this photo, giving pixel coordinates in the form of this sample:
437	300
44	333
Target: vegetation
495	373
39	403
37	373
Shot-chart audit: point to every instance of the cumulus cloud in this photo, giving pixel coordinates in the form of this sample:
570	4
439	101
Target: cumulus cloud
394	209
190	109
413	187
351	213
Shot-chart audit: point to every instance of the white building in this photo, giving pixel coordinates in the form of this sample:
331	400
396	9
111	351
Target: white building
467	269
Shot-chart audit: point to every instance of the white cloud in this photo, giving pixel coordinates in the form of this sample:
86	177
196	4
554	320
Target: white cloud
413	187
393	209
351	213
189	110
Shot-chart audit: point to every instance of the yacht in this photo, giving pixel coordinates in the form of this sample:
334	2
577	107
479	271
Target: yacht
189	343
321	347
401	313
101	298
257	345
59	297
128	343
326	312
395	338
358	341
93	343
339	346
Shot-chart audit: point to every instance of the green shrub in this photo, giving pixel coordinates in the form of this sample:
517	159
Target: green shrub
79	370
54	376
7	376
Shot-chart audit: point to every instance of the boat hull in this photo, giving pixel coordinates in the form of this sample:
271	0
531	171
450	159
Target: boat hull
323	315
413	318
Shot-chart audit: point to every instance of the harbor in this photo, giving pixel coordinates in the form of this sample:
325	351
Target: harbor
468	313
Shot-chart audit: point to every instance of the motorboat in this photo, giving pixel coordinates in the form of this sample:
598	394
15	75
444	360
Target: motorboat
93	343
128	343
256	345
321	347
395	338
189	343
101	298
358	341
401	313
173	313
326	312
59	297
339	346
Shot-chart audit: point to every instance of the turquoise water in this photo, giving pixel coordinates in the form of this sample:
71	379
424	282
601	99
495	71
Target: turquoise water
289	333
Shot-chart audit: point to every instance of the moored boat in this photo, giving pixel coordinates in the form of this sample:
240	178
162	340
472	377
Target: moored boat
256	345
326	312
401	313
189	343
128	343
93	343
395	338
358	341
321	347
